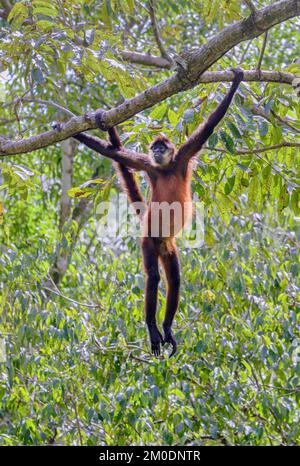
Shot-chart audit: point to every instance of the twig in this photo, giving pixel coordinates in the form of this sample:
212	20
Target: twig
52	104
48	103
258	111
6	7
261	149
157	33
78	424
139	359
198	62
285	122
251	7
245	52
255	152
92	306
262	51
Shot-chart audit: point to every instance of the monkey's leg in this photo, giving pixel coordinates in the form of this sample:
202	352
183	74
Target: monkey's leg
150	258
172	269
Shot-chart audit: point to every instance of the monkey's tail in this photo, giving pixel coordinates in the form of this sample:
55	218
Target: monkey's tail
131	188
127	178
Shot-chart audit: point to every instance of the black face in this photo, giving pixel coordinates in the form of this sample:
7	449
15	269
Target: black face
158	150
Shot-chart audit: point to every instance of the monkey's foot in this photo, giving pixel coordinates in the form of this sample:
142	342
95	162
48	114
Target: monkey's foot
169	338
156	339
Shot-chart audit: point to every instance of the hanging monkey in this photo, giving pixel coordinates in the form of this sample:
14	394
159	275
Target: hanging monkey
169	173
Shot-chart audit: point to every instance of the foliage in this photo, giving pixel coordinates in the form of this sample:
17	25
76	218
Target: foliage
84	375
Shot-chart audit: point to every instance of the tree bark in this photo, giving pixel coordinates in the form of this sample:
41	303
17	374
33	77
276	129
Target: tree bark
68	148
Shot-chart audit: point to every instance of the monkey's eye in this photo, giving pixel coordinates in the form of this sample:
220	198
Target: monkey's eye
158	147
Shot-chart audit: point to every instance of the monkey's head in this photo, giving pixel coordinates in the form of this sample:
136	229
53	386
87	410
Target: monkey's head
162	150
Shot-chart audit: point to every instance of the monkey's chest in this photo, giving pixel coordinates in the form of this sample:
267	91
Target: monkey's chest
171	189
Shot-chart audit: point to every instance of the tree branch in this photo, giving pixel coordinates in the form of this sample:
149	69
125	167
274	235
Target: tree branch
262	51
144	59
68	149
197	63
128	109
58	293
136	57
290	123
6	5
49	103
251	7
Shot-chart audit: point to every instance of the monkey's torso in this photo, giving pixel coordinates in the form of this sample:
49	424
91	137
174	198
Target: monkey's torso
170	207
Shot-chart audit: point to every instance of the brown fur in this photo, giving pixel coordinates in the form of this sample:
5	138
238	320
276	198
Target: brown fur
170	182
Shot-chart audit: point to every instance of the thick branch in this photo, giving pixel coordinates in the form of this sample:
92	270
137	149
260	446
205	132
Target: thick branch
250	76
128	109
144	59
248	28
197	63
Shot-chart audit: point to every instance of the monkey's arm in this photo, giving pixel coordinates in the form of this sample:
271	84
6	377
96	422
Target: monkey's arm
200	136
114	137
126	177
128	158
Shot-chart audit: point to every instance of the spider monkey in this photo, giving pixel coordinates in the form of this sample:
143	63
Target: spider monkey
169	173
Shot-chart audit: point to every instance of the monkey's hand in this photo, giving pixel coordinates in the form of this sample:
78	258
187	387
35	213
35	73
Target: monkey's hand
238	74
99	120
156	339
169	338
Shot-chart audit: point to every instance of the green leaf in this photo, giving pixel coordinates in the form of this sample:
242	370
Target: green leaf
213	141
80	193
263	128
18	14
189	115
295	201
229	185
228	141
173	117
46	11
253	192
159	111
18	9
234	130
128	6
37	75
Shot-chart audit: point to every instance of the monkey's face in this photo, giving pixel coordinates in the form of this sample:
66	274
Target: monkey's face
162	152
